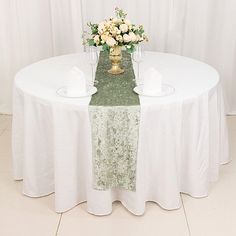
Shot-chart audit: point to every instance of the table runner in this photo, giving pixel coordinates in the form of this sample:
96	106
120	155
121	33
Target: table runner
114	114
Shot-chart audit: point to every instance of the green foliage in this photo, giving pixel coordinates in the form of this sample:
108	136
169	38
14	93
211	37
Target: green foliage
139	30
105	47
108	29
93	27
120	13
130	48
91	42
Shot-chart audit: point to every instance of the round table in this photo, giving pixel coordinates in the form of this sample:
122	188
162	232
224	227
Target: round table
182	137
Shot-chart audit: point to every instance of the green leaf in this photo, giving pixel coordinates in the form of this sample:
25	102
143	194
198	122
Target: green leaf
120	13
130	49
105	47
91	42
141	31
93	27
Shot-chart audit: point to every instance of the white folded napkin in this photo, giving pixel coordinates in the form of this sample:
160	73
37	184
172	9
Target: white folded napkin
152	81
76	82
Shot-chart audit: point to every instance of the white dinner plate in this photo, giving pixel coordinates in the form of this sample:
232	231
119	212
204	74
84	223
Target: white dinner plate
63	92
166	91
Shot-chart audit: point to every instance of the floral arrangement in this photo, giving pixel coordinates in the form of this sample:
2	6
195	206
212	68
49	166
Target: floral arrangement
117	31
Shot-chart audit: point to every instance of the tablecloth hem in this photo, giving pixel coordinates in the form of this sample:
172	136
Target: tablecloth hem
134	210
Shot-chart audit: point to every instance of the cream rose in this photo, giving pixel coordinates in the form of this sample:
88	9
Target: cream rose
111	42
114	31
126	38
108	24
118	31
101	27
133	36
124	28
116	20
96	39
104	37
119	38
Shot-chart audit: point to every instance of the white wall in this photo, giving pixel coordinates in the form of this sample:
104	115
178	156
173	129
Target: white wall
35	29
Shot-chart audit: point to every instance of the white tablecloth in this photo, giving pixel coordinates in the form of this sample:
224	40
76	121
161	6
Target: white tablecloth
182	139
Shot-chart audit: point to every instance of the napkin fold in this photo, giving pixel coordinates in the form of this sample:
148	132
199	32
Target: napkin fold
152	81
76	82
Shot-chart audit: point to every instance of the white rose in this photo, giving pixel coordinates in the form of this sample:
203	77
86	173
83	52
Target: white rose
126	38
118	31
133	36
124	28
111	42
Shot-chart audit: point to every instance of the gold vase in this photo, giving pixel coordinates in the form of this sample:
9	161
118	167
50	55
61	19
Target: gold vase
115	57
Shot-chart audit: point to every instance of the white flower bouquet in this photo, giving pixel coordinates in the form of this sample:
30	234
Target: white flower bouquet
117	31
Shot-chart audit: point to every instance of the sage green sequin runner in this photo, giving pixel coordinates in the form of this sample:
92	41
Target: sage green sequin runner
114	114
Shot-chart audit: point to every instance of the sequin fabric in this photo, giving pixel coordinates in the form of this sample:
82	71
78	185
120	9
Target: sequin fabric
114	115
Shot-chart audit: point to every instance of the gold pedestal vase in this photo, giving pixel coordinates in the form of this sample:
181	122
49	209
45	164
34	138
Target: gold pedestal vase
115	57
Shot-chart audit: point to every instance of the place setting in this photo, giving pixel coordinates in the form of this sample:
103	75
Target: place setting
77	84
149	84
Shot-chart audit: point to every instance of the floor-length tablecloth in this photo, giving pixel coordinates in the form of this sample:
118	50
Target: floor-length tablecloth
182	138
